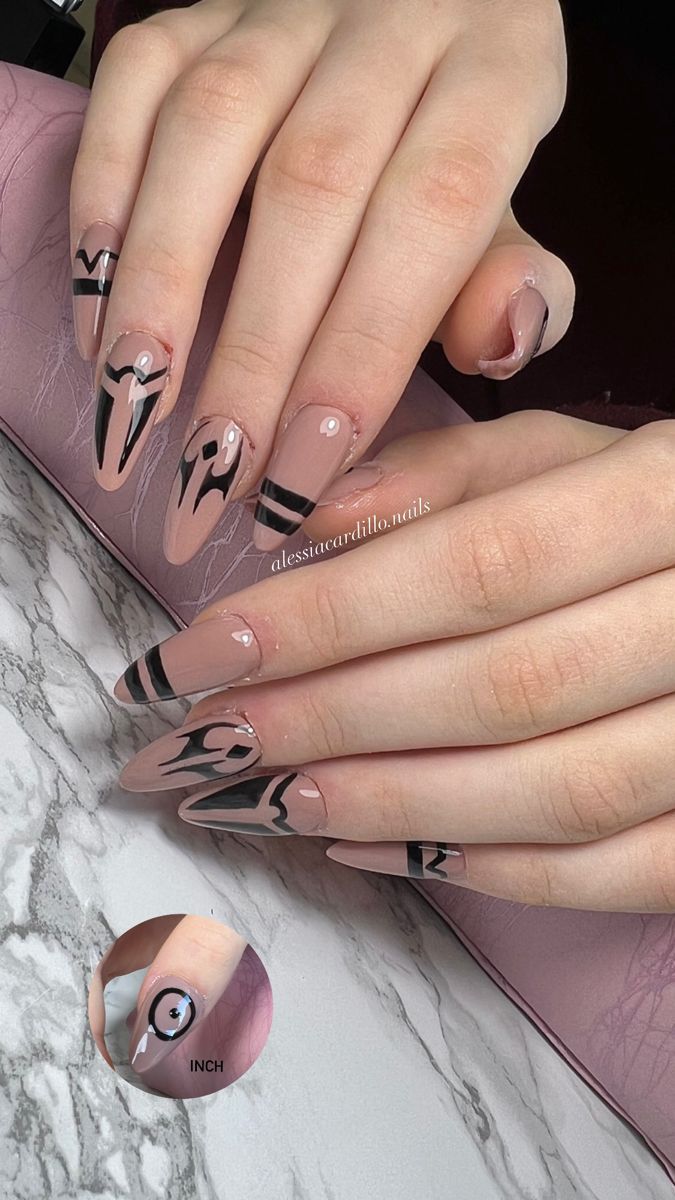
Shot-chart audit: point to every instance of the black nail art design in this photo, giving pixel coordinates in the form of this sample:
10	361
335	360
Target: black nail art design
210	467
264	804
102	284
158	678
133	380
427	858
228	752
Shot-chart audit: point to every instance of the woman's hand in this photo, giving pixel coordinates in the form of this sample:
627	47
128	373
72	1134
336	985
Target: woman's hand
391	135
486	695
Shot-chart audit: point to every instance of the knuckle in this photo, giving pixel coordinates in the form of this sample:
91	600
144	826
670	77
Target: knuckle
491	560
316	167
538	884
224	91
160	266
375	333
248	351
662	862
326	618
591	797
142	47
450	187
325	725
527	686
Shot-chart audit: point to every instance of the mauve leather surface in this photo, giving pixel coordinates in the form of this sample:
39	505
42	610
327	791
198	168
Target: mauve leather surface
601	986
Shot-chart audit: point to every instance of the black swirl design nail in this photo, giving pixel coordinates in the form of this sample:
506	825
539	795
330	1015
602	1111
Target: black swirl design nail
274	804
134	377
198	751
213	462
443	861
93	273
169	1011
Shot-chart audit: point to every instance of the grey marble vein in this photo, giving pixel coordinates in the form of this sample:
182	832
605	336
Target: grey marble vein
395	1067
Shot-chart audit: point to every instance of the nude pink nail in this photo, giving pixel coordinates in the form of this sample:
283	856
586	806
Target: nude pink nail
211	465
134	376
275	803
211	748
528	317
358	479
93	272
443	861
171	1008
310	451
207	655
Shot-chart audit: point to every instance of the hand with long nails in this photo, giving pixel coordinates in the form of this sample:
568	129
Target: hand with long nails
482	697
388	139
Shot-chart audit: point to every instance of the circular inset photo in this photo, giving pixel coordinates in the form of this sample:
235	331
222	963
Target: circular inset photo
180	1006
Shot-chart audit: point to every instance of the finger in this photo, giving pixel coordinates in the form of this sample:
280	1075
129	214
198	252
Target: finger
478	566
576	785
209	133
138	67
431	218
184	981
442	467
481	333
308	204
633	871
547	673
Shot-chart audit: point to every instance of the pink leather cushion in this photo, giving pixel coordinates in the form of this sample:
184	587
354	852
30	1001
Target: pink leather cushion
600	986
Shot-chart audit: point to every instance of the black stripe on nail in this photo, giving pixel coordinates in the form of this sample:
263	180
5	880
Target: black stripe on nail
132	680
434	863
415	862
92	287
143	410
276	802
118	373
158	676
267	516
91	263
540	339
102	422
293	500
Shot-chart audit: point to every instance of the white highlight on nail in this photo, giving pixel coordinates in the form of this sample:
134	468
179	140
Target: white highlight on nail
329	426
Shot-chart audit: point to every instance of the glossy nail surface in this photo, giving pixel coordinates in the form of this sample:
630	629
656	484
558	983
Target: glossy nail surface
211	465
171	1008
443	861
93	272
360	479
212	748
279	803
209	654
311	449
133	379
528	317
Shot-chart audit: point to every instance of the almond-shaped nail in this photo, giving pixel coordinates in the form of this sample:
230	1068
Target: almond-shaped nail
211	465
278	803
208	654
358	479
443	861
528	317
171	1008
310	451
133	379
212	748
93	272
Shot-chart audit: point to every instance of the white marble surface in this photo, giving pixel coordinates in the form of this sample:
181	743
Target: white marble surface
395	1067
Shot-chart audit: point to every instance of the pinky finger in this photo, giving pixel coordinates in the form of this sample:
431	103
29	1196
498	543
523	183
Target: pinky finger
632	871
517	304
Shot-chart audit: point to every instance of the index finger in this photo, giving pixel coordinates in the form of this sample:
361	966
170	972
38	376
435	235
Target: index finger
495	560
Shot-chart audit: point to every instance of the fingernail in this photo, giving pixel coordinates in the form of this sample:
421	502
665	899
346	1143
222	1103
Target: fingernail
171	1008
528	317
311	449
211	465
93	272
133	379
264	804
200	750
417	860
358	479
209	654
